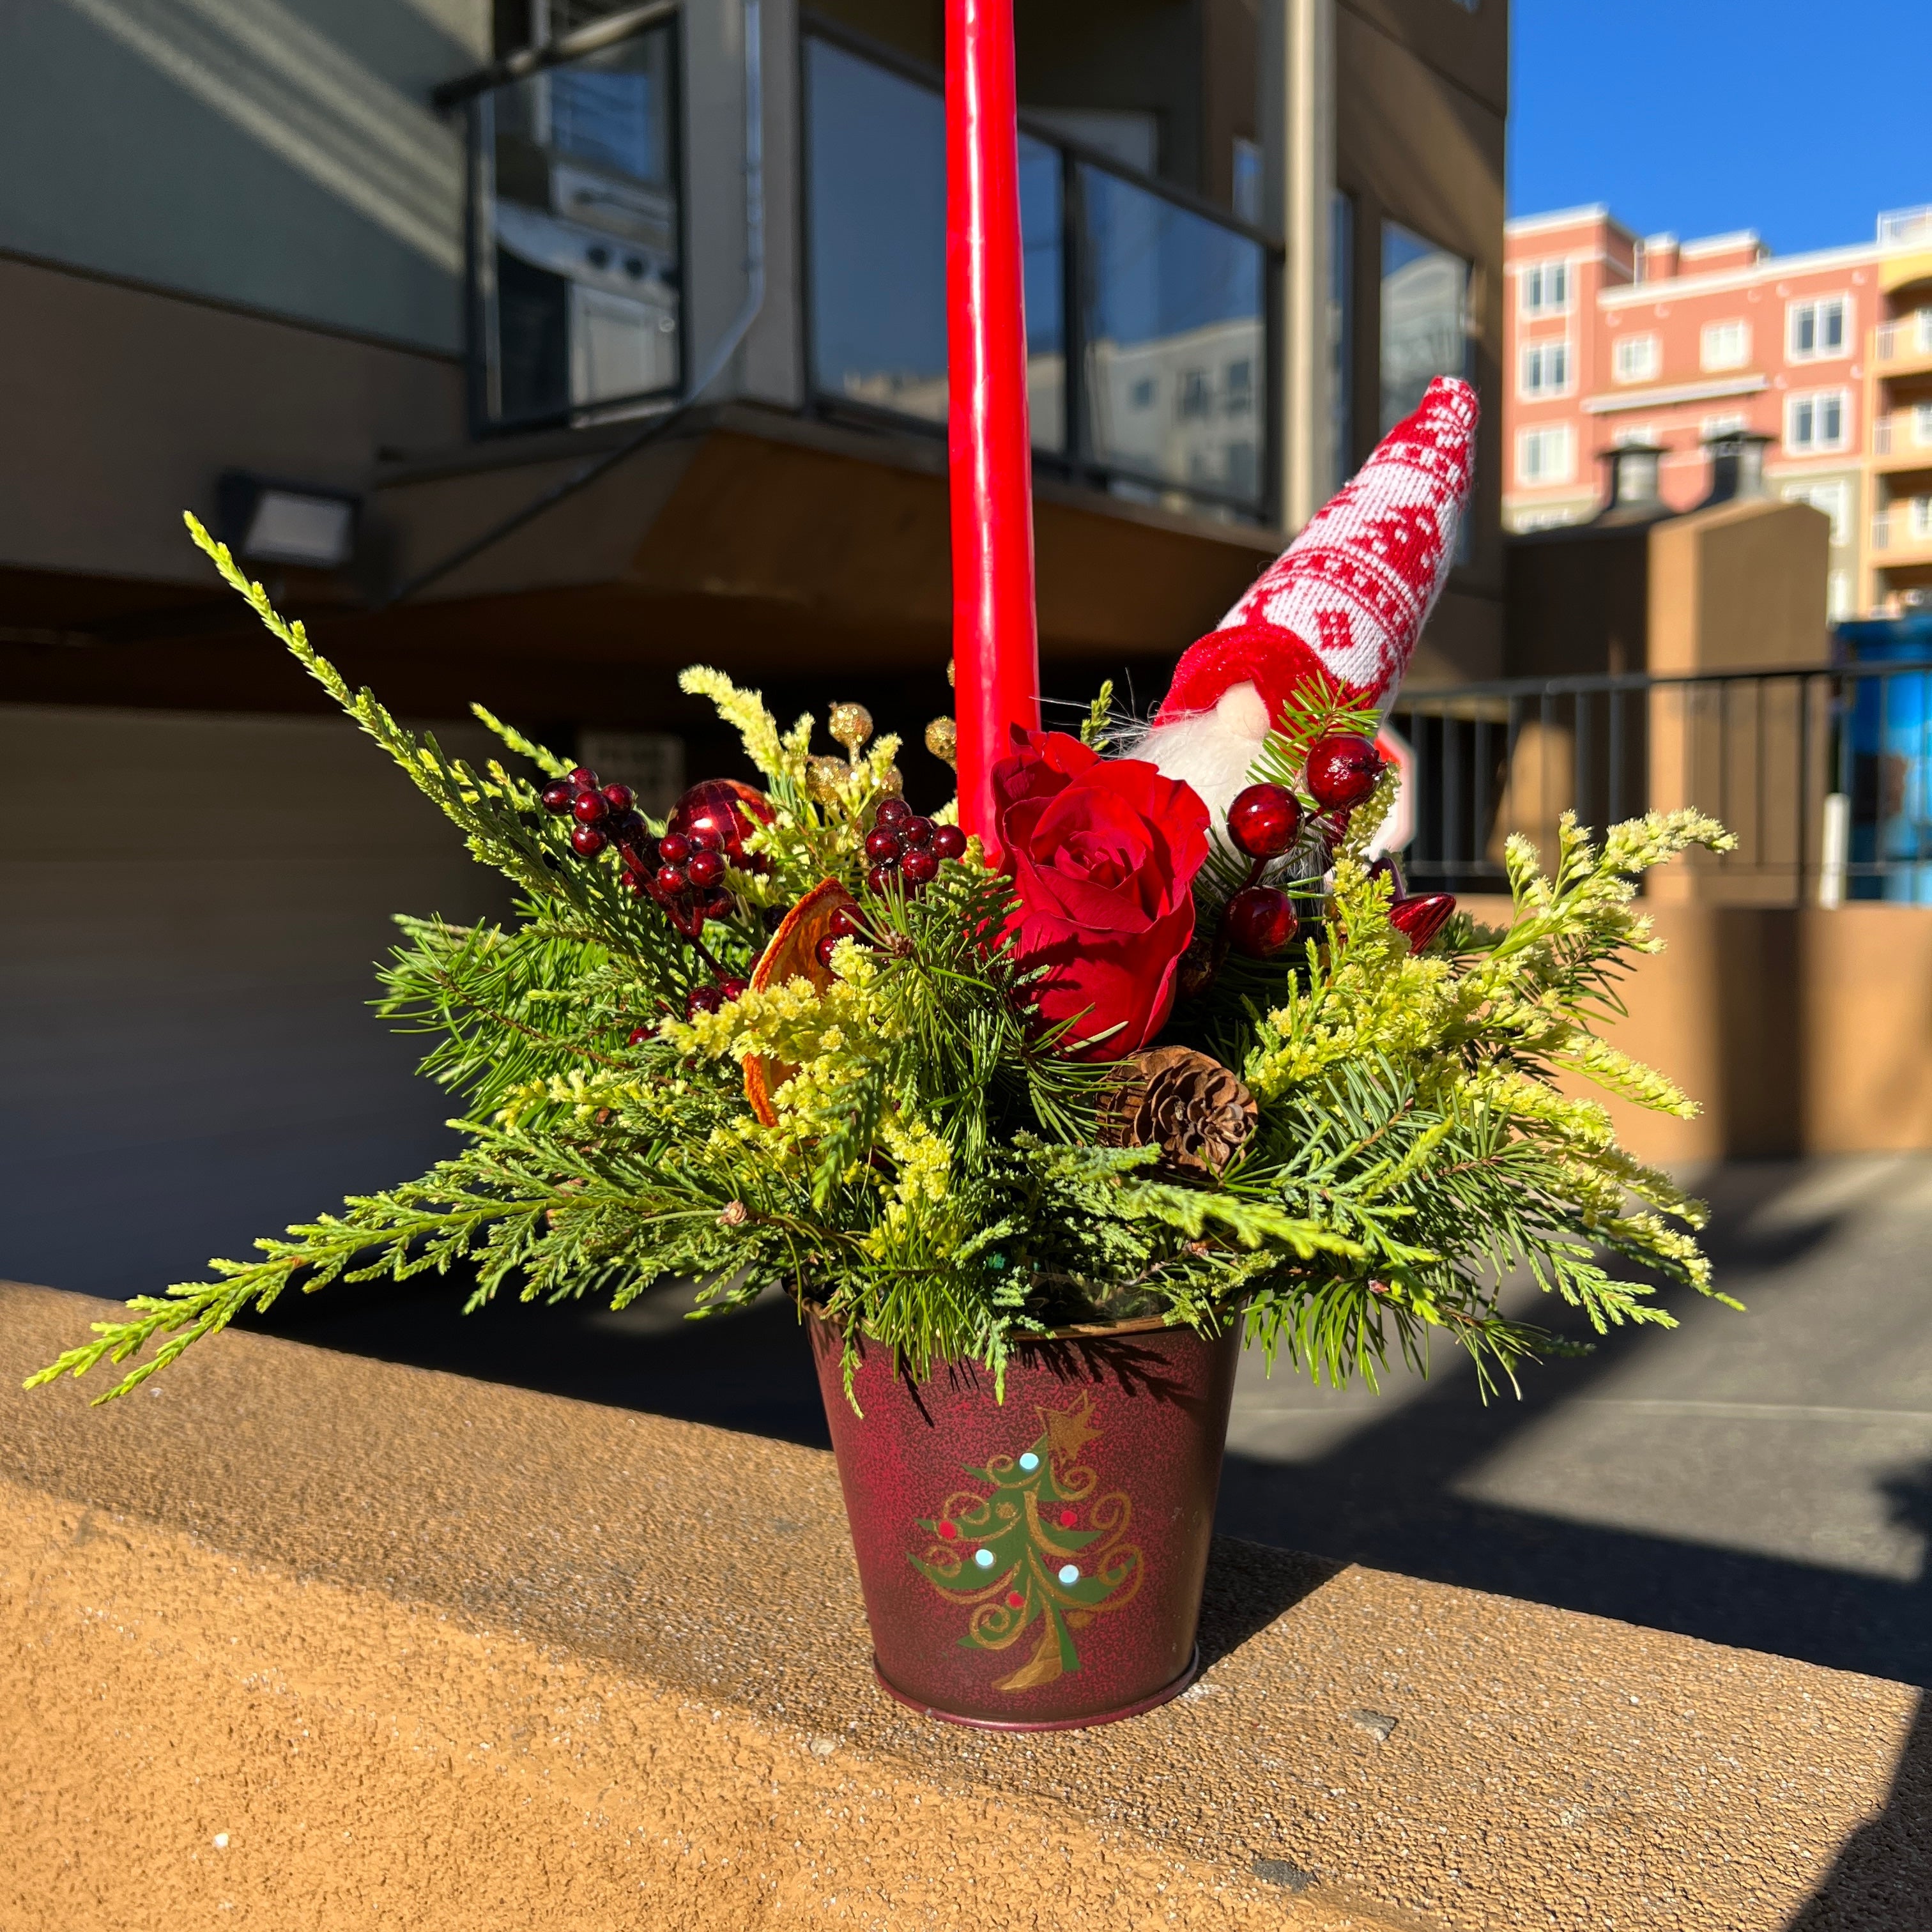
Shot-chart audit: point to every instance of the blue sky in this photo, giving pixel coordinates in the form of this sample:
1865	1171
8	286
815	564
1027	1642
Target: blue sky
1700	116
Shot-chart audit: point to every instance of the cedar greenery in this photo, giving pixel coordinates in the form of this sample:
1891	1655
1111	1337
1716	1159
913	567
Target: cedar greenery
932	1179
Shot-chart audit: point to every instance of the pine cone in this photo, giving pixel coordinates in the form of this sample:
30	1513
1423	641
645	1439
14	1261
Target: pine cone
1191	1107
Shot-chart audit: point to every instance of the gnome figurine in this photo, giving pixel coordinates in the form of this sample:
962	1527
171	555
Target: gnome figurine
1349	597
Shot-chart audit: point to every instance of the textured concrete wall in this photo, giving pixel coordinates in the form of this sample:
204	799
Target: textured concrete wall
317	1641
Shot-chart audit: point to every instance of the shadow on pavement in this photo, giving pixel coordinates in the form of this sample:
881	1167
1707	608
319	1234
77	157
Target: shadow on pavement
1880	1881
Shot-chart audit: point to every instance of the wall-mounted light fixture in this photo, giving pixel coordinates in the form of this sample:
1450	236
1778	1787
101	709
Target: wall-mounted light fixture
269	522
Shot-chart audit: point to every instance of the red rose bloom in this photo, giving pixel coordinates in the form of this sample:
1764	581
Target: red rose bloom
1103	853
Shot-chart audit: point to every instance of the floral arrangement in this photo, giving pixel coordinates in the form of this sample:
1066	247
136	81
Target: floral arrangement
1156	1061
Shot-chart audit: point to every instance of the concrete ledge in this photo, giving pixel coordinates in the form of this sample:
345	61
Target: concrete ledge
301	1640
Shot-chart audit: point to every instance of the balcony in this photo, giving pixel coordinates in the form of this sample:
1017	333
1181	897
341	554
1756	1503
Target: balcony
1902	536
1903	346
1903	441
1149	335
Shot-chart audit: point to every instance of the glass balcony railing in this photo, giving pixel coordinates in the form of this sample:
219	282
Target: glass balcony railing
575	258
1148	337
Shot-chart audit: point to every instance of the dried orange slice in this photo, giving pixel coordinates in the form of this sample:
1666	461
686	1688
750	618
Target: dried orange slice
792	955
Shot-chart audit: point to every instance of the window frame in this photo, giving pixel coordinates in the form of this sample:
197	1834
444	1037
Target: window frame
1710	366
1813	400
1538	437
1648	339
1813	307
1539	269
1540	391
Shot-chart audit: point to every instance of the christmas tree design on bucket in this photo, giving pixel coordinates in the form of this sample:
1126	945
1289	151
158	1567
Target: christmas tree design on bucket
1040	1548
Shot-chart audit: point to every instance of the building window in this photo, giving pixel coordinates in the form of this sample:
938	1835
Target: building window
1546	288
1726	345
1816	423
1834	499
1239	396
1838	596
1425	320
1546	455
1246	194
1341	338
1638	358
1546	369
1921	425
1196	397
1922	517
1815	329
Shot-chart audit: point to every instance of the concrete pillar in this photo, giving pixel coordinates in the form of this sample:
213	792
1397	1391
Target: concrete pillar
1303	150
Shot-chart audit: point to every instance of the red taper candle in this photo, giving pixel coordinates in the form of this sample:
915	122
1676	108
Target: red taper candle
995	636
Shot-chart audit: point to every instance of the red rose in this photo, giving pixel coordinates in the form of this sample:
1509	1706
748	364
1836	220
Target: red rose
1103	853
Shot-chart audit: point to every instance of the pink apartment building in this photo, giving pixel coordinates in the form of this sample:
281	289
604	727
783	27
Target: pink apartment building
1611	339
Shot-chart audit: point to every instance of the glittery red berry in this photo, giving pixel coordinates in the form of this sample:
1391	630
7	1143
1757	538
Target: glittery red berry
619	797
582	777
556	797
587	841
825	949
735	989
892	811
706	838
704	870
718	904
1261	922
588	807
702	1000
949	841
639	1034
882	878
846	922
673	848
916	832
920	868
1422	917
883	847
1264	821
669	881
1343	770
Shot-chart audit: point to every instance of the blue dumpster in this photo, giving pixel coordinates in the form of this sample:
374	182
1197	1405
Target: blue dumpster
1885	759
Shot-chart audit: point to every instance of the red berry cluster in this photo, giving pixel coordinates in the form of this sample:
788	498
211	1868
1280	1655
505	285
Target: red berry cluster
845	924
689	880
903	850
1342	770
1263	822
601	815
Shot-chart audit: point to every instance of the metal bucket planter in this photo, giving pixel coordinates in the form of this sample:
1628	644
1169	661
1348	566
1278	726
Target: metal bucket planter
1035	1564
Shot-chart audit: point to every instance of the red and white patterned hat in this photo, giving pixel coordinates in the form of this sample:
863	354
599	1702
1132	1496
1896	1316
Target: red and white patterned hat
1351	594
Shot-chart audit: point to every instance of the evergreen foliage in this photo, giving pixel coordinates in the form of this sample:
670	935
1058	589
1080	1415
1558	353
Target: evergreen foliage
932	1177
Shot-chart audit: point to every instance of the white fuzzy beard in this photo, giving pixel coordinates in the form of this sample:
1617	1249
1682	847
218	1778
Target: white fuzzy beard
1214	751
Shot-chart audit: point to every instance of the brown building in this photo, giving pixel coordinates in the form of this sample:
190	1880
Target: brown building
527	365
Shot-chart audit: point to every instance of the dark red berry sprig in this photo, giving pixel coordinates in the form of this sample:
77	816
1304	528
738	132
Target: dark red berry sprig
904	851
602	815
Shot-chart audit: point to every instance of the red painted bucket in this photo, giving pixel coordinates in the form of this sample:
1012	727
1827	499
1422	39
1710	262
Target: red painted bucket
1037	1564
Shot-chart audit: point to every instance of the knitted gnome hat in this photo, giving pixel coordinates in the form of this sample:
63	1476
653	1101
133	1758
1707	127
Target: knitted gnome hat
1349	597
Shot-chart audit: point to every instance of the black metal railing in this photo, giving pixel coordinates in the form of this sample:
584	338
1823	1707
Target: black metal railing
1824	775
1151	335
